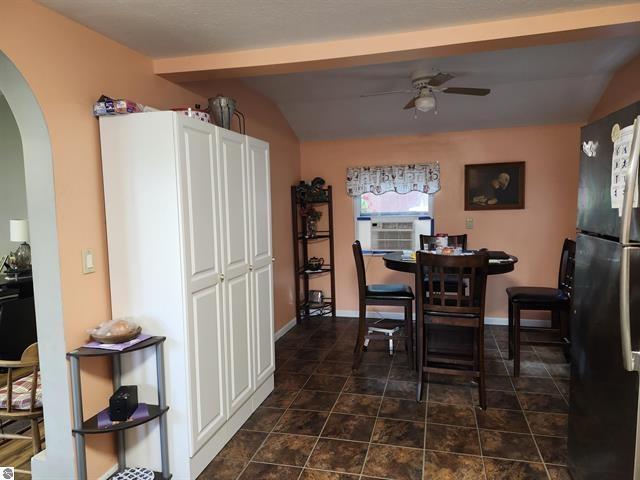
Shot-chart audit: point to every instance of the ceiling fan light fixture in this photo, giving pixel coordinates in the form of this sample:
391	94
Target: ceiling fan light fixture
425	103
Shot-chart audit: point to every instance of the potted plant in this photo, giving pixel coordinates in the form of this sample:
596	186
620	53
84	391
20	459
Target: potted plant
311	192
311	217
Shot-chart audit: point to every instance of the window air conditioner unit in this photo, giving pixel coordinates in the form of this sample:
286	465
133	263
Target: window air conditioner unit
392	234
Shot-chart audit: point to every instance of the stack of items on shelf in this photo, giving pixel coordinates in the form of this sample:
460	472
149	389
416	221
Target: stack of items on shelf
108	106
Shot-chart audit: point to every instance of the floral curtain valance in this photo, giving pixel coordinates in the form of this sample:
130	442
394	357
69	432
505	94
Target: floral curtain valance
394	178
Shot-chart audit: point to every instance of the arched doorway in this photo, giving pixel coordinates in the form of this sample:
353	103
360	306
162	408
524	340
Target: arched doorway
57	460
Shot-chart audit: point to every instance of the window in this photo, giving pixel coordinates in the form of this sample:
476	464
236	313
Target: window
392	203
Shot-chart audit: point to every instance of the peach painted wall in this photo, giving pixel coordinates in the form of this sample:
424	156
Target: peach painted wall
534	234
265	121
68	66
622	90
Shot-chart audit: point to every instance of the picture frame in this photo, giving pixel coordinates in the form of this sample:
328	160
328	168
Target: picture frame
494	186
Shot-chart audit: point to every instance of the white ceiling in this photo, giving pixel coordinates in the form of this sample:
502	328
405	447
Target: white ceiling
538	85
165	28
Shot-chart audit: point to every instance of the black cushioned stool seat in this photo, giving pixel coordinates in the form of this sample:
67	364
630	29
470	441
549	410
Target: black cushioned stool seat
536	294
389	290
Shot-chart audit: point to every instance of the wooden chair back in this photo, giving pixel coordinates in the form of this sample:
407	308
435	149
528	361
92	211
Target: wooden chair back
29	363
428	242
452	284
567	266
360	270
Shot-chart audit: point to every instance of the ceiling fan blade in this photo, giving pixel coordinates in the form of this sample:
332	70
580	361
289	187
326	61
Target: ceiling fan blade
480	92
439	79
411	104
375	94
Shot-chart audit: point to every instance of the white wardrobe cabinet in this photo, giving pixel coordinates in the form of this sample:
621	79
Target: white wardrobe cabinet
188	209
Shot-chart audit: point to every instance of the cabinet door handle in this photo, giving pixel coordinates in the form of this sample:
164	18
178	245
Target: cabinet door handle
273	259
222	277
250	267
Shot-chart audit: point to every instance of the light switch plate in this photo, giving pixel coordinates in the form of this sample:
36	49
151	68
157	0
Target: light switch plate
88	261
468	223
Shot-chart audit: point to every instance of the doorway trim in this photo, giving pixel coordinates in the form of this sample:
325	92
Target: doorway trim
58	459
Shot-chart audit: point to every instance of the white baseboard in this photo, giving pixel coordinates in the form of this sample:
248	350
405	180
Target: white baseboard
108	473
284	329
526	322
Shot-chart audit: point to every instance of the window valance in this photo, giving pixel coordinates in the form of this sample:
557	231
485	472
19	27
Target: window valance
423	177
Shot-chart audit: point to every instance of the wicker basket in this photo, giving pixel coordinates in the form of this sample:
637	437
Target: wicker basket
125	337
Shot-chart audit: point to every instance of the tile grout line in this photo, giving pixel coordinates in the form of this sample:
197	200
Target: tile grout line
426	426
475	416
553	379
420	377
306	463
544	465
366	456
274	426
265	439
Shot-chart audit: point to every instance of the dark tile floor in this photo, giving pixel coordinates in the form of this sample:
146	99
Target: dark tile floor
325	422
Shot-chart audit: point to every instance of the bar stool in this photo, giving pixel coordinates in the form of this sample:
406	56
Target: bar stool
462	306
555	300
392	295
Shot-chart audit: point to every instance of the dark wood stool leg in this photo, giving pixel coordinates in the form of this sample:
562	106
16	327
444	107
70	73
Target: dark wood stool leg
362	326
516	340
555	319
510	330
476	350
408	326
482	388
564	334
420	347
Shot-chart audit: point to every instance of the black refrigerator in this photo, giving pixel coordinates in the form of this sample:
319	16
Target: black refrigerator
603	438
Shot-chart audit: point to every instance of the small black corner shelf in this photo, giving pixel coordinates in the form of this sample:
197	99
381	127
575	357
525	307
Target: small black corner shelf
323	309
90	426
82	427
321	270
101	352
303	274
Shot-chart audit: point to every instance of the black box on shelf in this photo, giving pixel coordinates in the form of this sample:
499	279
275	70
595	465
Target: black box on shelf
123	403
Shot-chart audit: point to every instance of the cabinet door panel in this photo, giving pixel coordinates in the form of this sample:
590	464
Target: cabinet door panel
239	341
261	260
261	251
203	204
235	202
262	295
199	201
207	352
234	185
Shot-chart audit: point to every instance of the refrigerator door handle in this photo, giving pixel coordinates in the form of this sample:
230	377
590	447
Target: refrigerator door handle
630	358
630	184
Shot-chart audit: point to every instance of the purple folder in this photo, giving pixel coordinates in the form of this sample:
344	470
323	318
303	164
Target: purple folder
118	347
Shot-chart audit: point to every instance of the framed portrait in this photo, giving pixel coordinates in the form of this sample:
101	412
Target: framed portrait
494	186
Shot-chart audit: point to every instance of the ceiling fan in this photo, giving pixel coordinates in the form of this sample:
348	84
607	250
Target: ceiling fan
425	84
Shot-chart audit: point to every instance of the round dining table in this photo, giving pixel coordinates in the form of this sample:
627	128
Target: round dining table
395	261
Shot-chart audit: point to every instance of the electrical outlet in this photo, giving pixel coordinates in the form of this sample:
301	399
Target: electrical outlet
468	223
88	262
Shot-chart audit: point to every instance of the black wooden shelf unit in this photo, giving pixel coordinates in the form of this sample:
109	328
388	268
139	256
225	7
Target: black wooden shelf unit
304	274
